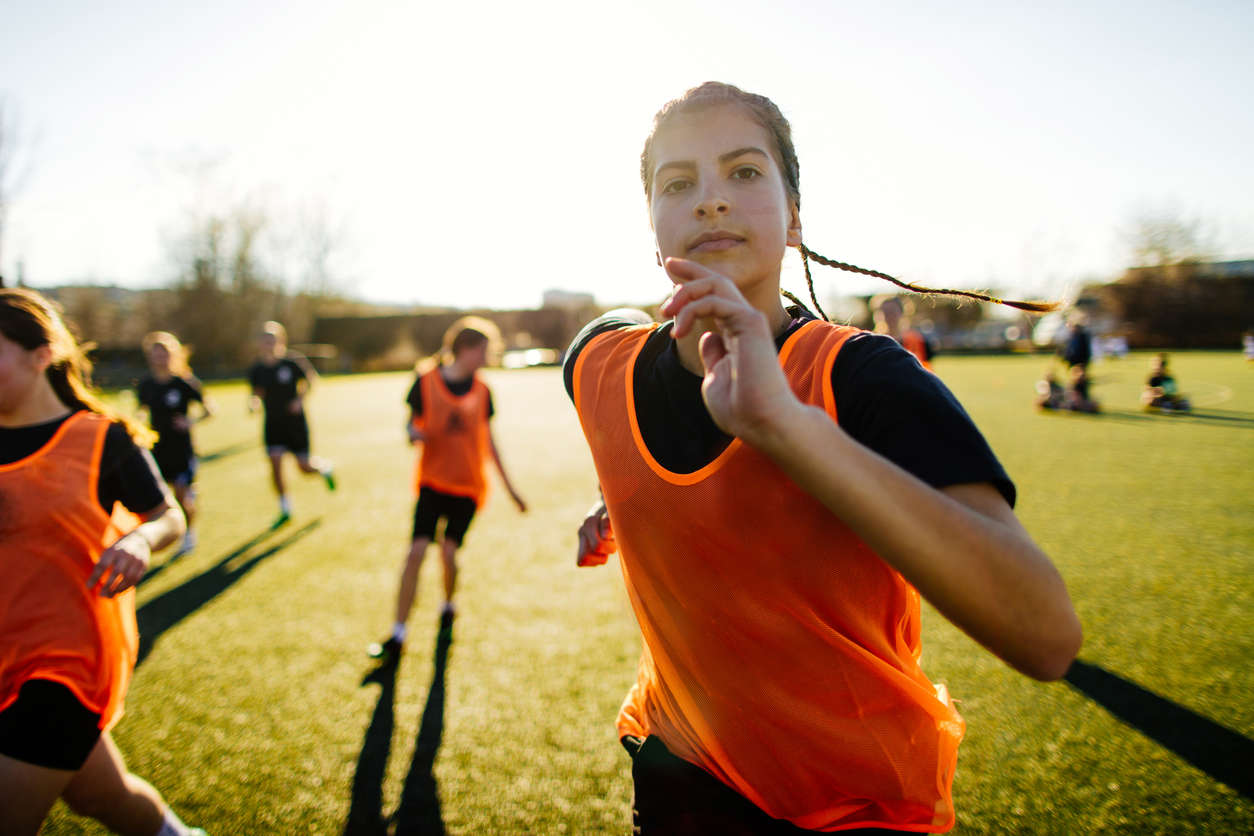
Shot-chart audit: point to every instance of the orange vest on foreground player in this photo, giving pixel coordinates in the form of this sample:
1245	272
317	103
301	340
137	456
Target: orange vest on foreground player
456	448
52	531
780	653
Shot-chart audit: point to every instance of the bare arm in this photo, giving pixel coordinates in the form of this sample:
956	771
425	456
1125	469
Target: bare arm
962	547
122	564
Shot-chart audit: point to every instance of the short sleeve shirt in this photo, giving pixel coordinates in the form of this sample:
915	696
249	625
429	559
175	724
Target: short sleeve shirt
279	384
884	400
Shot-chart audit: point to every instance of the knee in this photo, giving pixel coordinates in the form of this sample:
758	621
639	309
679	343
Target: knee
448	549
94	802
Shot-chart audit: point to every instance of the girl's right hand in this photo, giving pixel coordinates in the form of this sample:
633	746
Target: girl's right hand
596	537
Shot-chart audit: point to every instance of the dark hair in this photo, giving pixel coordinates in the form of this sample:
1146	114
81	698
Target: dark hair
32	321
768	115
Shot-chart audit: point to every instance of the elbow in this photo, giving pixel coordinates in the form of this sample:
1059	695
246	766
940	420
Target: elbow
1052	655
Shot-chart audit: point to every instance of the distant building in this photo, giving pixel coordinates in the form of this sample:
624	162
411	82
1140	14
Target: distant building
567	299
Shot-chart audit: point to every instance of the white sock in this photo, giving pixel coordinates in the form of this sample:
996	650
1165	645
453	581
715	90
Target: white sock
449	606
171	826
285	506
399	631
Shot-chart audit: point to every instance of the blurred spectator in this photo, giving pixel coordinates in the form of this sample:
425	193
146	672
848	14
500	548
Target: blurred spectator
1078	395
1161	391
1049	392
890	319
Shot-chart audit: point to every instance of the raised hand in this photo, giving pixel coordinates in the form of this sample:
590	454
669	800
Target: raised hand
744	388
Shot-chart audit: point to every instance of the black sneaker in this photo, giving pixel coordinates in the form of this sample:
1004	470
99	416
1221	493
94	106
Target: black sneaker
387	651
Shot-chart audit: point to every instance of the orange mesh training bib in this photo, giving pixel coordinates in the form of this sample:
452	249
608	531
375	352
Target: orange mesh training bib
456	428
916	344
52	531
780	653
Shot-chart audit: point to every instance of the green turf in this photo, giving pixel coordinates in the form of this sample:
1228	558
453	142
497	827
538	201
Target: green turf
250	716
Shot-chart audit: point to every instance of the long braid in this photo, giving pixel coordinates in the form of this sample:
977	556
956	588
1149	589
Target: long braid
805	262
807	254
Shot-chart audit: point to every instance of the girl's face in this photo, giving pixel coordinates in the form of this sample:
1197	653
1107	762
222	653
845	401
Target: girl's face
159	358
20	371
473	357
718	196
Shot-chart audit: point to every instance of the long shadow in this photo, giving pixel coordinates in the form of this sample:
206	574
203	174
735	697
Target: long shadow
224	452
1214	417
365	812
231	555
169	608
419	810
1220	752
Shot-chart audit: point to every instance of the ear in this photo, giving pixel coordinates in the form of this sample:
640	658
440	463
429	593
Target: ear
658	256
41	358
793	238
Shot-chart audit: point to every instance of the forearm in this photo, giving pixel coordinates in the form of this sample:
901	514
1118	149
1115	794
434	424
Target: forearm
962	548
163	529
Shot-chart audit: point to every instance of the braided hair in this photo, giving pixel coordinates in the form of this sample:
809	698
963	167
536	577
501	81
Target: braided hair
767	114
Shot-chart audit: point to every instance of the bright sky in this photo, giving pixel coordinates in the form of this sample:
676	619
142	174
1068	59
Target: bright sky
479	153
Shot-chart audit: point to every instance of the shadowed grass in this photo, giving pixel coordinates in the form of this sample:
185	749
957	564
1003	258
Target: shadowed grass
250	716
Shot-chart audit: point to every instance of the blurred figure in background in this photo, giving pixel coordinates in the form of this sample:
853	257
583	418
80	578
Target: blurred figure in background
167	394
890	319
281	382
1161	391
1049	392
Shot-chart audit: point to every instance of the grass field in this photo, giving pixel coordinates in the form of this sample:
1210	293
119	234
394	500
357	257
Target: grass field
249	710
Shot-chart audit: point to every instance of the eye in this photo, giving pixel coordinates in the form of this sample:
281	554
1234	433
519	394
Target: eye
745	173
675	185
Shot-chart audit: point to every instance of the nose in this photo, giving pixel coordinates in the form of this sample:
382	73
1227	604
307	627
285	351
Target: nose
711	204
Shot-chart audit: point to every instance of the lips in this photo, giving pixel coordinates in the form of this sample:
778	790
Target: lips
714	241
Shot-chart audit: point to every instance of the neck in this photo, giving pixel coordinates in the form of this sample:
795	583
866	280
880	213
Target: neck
456	371
39	406
768	302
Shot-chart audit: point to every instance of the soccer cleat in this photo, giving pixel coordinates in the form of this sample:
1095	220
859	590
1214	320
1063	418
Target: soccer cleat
329	477
281	520
387	651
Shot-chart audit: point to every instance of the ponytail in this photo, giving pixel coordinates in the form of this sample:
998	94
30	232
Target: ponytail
32	321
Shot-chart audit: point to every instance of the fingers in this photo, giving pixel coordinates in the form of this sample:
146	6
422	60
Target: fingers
712	348
705	294
120	567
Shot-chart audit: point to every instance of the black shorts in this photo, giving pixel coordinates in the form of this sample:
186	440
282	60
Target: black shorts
177	464
457	511
287	434
674	797
47	726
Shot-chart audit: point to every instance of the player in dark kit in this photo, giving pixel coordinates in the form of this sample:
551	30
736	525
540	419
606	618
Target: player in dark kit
167	394
280	381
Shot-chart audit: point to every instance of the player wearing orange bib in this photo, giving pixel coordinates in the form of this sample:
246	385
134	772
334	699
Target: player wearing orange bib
81	511
781	490
450	408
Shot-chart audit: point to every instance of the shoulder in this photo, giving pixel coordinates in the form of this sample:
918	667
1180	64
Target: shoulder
614	320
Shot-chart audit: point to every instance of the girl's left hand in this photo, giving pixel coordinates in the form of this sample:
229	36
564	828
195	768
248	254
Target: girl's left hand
121	565
744	387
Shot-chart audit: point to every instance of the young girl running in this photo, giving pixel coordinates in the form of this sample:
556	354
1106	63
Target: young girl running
450	410
81	511
167	393
280	382
779	487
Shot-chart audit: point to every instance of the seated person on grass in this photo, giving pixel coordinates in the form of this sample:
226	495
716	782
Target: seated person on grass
1161	391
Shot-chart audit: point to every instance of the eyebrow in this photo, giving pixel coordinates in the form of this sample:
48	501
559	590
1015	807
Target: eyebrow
722	158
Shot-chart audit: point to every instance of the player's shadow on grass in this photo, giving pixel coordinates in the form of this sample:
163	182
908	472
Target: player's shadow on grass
1220	752
170	607
1206	417
225	452
419	809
